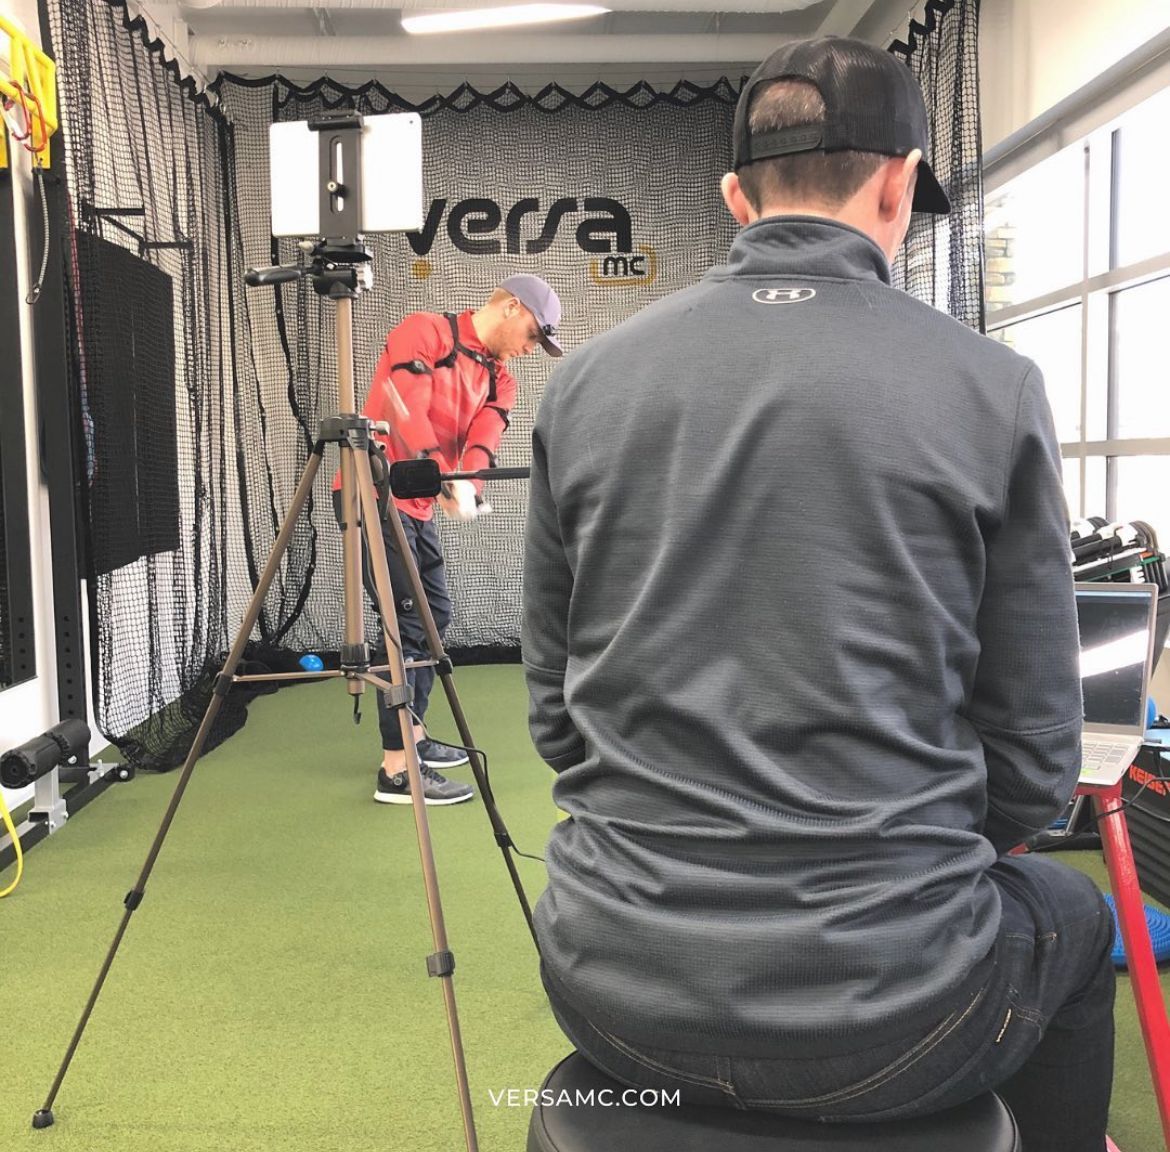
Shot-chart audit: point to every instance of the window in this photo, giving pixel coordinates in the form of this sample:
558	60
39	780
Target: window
1090	494
1053	340
1032	228
1078	280
1142	352
1143	489
1143	173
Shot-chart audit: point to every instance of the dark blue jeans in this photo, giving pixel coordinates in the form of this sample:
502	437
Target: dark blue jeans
1040	1032
422	537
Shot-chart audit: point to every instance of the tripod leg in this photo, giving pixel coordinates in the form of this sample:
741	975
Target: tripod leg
223	682
442	963
435	643
353	650
499	828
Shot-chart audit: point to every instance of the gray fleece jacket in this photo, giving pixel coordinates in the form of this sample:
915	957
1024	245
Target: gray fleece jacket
801	645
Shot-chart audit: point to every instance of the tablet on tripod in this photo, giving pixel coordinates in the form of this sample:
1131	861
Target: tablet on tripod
386	181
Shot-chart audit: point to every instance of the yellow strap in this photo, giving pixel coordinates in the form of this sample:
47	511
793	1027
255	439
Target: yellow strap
16	843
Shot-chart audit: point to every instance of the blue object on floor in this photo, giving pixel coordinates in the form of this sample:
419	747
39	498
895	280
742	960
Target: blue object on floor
312	663
1159	926
1151	711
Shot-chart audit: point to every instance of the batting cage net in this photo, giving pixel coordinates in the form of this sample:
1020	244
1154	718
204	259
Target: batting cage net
612	198
147	251
942	259
200	399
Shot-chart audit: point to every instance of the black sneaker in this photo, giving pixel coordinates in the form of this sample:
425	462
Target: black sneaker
436	755
436	789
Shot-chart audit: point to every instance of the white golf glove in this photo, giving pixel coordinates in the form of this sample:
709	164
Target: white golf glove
458	500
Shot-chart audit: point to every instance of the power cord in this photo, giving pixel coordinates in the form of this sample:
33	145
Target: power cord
486	778
7	818
1128	803
1088	837
1150	779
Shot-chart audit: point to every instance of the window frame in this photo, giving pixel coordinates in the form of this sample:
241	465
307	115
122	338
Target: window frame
1100	225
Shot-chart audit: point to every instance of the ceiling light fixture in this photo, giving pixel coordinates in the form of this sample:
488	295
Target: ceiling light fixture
467	19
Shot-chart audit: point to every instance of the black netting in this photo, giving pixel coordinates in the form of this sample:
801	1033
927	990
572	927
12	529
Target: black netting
633	174
200	400
150	315
942	260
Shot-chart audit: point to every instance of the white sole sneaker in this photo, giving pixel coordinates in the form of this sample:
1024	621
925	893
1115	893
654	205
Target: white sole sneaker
429	801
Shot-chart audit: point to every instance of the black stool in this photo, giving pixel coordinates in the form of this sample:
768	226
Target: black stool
982	1125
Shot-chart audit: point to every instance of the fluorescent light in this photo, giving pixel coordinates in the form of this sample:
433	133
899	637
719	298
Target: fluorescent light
465	19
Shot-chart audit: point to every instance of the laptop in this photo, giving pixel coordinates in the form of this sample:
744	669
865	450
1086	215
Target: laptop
1116	623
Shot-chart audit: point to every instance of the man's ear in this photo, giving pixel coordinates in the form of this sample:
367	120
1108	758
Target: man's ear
900	178
737	203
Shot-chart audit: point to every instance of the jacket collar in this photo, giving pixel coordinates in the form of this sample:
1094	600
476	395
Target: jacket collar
468	337
805	246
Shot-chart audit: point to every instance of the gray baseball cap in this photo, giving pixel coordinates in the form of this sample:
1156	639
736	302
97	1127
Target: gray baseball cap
538	297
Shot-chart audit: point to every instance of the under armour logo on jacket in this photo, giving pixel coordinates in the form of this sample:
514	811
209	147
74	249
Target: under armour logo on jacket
782	295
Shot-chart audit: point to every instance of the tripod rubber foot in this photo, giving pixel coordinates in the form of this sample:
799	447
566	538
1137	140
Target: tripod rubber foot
43	1118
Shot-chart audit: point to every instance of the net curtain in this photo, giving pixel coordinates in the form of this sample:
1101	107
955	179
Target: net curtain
610	195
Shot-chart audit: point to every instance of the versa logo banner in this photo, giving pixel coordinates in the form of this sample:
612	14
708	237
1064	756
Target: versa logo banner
600	227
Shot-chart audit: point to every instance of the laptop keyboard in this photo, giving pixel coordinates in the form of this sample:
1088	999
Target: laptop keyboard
1099	754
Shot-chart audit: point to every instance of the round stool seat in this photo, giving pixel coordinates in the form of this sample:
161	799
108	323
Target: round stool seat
981	1125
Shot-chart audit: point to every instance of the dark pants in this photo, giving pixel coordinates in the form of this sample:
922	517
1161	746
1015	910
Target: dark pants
423	539
1040	1032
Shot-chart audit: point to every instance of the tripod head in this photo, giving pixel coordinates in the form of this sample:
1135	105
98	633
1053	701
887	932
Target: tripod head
339	271
339	263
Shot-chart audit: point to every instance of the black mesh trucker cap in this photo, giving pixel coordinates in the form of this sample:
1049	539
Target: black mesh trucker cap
872	104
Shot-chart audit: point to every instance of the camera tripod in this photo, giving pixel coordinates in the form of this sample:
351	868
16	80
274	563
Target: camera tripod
336	271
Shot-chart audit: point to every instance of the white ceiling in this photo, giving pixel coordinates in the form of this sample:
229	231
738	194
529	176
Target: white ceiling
352	40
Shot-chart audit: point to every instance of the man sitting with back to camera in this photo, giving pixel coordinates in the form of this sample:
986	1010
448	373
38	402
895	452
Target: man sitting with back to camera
801	644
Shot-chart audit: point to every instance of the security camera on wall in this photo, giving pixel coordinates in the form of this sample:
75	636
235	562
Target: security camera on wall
390	174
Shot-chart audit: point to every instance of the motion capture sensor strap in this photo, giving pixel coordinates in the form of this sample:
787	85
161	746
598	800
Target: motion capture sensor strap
502	413
458	346
415	367
485	450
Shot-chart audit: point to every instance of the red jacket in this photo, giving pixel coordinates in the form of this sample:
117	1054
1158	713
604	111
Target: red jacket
455	414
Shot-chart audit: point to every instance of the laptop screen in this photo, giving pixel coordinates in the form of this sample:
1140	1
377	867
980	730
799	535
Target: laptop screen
1114	623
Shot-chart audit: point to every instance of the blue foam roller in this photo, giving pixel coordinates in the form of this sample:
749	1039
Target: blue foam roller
1158	924
312	663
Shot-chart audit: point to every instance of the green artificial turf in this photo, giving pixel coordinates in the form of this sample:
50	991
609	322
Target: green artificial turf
270	994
